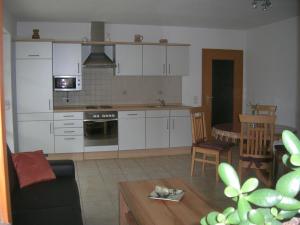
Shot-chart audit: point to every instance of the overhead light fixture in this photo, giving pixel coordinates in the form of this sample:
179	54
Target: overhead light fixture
265	4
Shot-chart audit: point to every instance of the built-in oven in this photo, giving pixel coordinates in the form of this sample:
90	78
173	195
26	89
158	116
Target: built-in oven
67	83
100	131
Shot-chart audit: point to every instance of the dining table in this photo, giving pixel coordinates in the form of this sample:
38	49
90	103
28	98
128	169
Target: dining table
231	134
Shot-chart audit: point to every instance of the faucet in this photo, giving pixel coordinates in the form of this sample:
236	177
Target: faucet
162	102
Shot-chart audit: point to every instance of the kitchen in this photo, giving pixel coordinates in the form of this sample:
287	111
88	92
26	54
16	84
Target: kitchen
118	106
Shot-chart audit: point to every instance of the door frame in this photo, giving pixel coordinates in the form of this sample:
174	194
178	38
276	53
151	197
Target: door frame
208	55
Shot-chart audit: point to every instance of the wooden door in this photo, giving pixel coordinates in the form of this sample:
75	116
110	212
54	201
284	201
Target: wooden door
209	56
5	207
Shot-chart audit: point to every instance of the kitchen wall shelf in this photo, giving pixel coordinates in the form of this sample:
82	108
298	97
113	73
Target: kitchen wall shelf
101	42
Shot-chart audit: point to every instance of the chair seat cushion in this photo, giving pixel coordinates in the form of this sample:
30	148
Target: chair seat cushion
214	144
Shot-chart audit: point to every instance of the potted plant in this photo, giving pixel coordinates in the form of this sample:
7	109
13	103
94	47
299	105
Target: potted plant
262	206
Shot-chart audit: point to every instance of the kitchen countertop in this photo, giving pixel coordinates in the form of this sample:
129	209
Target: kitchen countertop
81	108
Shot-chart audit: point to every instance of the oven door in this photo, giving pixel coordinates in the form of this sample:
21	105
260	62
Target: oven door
66	83
101	132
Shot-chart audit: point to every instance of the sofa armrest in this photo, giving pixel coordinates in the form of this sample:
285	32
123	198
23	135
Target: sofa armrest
63	168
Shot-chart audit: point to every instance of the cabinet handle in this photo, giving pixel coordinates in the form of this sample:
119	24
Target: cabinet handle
118	67
132	114
173	124
69	139
69	131
68	124
68	116
164	69
49	104
33	55
78	68
167	124
50	128
169	68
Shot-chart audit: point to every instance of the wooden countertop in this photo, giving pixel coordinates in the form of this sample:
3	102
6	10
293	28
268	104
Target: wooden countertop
81	108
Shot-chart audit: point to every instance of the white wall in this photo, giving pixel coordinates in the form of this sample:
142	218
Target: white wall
9	22
198	38
273	68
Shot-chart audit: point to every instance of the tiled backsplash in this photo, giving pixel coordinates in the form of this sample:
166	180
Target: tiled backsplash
101	87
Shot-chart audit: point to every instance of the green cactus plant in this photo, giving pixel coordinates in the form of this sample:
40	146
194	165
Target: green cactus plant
261	206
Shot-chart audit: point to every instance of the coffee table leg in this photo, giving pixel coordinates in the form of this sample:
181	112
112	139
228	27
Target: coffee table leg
123	210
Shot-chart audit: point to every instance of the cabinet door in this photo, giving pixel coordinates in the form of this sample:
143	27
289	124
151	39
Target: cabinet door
157	132
131	133
129	60
36	135
66	59
68	144
178	60
180	132
33	50
154	60
34	85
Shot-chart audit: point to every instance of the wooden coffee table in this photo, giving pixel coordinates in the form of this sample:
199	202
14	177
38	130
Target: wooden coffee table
137	209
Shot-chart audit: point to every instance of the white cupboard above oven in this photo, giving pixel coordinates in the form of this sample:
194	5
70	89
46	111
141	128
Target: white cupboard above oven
66	59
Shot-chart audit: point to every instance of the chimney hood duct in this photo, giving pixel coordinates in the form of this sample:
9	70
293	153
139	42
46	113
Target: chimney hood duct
97	57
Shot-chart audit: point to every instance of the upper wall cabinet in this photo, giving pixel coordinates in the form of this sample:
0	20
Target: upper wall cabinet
33	50
129	60
66	59
177	60
154	60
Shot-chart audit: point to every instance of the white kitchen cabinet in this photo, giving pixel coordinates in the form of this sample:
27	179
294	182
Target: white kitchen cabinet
178	60
180	128
68	130
34	85
129	60
36	135
154	60
33	50
131	130
66	59
68	144
157	129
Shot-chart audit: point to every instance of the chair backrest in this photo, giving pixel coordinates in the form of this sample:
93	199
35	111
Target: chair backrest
265	109
257	135
198	125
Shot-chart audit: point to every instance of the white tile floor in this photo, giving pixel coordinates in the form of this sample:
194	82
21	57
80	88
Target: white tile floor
98	182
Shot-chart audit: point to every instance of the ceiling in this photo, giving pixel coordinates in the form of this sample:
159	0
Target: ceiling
228	14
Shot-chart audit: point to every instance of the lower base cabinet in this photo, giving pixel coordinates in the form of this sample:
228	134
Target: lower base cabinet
67	144
131	130
35	135
180	132
157	132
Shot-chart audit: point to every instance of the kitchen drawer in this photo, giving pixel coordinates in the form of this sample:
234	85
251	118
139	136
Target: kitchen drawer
68	116
157	113
131	114
183	113
33	50
68	144
68	123
68	131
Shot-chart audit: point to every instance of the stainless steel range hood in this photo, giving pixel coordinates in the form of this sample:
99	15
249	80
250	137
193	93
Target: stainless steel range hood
97	57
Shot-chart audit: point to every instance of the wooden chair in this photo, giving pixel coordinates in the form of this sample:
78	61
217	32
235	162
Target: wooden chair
256	145
265	109
201	144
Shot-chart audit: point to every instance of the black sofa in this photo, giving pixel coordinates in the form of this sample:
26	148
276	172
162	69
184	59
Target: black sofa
54	202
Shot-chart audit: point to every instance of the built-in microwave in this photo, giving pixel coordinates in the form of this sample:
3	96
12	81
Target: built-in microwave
67	83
